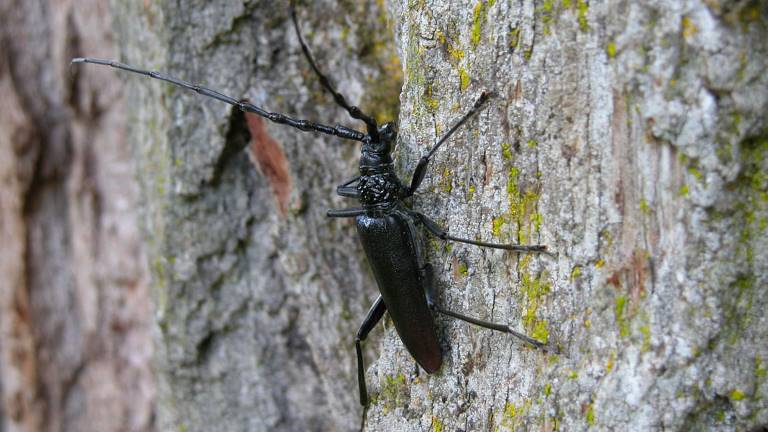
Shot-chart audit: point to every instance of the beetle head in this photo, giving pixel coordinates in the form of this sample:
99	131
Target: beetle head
377	153
387	136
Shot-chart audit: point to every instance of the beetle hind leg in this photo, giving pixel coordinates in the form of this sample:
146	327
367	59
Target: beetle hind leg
370	321
431	294
493	326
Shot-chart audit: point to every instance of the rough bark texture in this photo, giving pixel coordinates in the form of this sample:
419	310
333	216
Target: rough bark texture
630	137
256	308
75	343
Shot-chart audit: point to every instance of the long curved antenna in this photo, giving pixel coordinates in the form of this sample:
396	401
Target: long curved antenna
304	125
353	111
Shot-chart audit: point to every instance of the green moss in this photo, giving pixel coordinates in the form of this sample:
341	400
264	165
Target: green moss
720	416
437	425
646	332
506	151
695	172
540	331
535	288
611	49
575	272
620	310
431	103
689	28
590	415
514	38
644	207
761	371
479	15
532	143
572	375
446	184
463	79
528	53
498	223
684	191
737	395
547	389
583	7
393	391
537	220
510	411
470	192
463	269
610	363
513	416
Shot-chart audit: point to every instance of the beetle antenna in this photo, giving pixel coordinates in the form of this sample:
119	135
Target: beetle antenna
353	111
304	125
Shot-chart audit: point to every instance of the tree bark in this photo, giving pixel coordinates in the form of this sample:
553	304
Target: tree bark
257	294
75	343
629	137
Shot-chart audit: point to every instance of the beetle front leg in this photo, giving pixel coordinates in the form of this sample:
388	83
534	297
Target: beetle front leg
341	213
421	167
348	191
442	233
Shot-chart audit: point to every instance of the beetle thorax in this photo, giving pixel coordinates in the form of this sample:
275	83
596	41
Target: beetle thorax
377	189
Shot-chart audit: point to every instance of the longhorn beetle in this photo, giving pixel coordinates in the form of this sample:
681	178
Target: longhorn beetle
386	225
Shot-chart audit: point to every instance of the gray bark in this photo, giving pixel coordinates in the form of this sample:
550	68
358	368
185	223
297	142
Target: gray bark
256	308
629	137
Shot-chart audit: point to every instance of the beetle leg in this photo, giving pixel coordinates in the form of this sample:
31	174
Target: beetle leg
350	212
427	278
350	181
370	321
421	167
493	326
348	191
442	233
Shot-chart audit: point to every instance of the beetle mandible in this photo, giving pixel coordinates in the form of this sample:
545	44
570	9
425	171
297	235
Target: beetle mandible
386	225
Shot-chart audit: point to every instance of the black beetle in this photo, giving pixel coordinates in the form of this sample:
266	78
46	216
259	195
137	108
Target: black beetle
386	225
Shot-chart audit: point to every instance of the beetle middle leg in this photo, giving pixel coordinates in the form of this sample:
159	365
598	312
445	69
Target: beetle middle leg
442	233
426	274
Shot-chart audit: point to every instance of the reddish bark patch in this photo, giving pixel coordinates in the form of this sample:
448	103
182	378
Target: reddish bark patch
270	160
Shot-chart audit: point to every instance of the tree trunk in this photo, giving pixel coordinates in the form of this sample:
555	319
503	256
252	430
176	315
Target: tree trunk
257	294
75	344
628	137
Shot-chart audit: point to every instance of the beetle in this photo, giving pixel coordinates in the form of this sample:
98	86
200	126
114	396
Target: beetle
386	225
